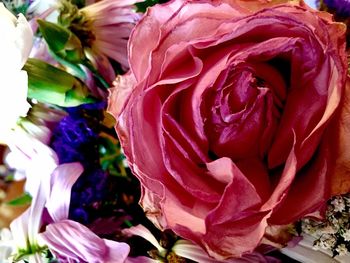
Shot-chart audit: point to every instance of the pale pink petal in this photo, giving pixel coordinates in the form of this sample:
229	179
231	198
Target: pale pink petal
120	92
117	252
143	232
62	180
73	240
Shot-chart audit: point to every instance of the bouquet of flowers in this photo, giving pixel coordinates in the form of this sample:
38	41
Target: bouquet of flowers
174	131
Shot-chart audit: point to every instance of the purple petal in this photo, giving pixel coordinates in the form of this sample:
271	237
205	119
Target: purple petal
62	181
117	252
72	240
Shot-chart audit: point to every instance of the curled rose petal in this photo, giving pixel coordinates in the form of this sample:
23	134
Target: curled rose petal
228	115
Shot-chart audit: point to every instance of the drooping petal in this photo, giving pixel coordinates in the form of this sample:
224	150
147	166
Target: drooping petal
117	252
62	180
143	232
75	241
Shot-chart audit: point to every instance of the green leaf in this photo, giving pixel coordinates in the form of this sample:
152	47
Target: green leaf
61	41
49	84
111	157
142	6
75	69
24	199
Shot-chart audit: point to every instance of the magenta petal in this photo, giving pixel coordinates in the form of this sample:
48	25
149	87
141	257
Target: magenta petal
75	241
62	181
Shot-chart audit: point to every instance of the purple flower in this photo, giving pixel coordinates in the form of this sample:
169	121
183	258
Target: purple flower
341	7
111	24
68	240
75	137
89	189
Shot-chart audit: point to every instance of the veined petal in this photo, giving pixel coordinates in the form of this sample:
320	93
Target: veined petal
62	180
19	230
75	241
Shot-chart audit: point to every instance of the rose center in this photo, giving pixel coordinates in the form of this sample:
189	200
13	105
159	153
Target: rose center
242	110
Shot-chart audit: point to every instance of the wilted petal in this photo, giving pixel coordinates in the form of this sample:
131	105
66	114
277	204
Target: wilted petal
226	162
120	92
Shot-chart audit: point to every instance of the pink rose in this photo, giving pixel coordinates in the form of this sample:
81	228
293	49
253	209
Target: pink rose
227	117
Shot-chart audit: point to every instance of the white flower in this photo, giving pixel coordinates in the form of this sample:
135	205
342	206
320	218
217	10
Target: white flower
341	249
347	199
338	204
307	227
45	9
327	241
15	46
6	245
346	235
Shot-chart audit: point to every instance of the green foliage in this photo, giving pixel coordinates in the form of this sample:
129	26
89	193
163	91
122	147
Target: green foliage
17	7
24	199
49	84
112	158
142	7
61	41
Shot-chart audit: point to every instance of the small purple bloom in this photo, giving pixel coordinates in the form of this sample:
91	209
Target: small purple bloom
76	136
89	189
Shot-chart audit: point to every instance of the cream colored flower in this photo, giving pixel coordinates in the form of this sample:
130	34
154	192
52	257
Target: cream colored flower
346	235
342	250
338	204
15	45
